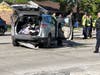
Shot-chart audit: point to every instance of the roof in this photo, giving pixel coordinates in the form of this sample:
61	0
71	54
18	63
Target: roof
4	3
49	5
5	6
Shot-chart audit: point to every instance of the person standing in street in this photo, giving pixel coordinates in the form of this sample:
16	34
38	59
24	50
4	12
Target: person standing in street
97	34
91	26
84	18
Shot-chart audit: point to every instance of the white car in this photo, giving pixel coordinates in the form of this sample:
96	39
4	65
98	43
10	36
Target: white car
29	25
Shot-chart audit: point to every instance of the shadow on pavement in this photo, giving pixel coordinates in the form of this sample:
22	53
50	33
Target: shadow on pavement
70	43
67	43
5	34
5	43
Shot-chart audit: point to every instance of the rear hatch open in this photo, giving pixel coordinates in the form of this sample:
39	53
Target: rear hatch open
28	25
26	20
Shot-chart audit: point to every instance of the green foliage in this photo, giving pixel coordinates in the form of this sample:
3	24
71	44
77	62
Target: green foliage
22	1
66	5
17	1
90	6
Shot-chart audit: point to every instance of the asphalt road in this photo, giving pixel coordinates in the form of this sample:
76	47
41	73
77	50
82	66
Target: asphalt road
73	58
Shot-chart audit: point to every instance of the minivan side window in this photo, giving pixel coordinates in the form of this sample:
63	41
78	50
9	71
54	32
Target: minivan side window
46	19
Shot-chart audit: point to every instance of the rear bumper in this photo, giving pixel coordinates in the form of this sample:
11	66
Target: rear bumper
31	39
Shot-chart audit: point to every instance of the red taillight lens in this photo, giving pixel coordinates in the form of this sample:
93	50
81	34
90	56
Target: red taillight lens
43	25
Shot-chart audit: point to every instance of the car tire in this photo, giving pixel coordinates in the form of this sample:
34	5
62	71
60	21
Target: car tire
41	45
48	41
59	42
15	42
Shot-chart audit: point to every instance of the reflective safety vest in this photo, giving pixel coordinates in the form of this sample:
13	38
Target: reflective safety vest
94	23
83	20
88	22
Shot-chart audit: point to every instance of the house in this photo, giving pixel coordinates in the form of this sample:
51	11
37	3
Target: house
49	5
5	12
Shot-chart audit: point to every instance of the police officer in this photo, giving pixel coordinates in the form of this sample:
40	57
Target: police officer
97	33
89	25
84	26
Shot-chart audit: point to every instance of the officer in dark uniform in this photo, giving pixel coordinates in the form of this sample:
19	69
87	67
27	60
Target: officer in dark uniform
97	34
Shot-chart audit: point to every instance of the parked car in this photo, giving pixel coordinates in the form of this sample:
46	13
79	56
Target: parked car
3	26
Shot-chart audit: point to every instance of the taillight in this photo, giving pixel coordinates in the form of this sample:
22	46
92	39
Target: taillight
43	25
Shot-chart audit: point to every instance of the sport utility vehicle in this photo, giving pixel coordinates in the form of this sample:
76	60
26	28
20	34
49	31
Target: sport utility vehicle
29	26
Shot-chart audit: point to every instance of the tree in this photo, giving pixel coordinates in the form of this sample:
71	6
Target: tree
40	0
90	6
66	5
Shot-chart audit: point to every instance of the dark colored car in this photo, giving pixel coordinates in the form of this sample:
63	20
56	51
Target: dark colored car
3	26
